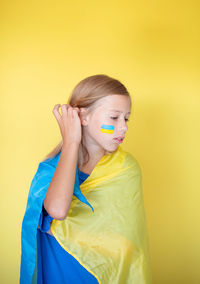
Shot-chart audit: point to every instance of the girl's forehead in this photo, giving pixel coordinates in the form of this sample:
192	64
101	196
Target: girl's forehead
119	105
112	103
106	102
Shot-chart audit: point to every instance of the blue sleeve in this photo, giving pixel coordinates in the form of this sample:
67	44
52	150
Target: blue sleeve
45	220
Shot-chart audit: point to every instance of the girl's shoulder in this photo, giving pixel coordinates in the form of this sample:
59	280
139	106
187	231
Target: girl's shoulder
53	161
130	160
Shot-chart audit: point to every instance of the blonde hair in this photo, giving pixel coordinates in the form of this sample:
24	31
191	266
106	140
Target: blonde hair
84	95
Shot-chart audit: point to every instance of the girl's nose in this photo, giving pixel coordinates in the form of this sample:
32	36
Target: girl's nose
123	126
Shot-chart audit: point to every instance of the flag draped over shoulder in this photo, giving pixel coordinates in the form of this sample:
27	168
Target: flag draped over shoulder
109	236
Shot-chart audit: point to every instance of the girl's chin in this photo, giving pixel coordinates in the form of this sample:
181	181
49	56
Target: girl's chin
112	147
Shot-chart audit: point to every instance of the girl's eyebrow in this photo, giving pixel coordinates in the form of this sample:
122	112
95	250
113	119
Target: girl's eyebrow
118	110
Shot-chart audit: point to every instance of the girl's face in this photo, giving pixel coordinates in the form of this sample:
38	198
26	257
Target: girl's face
108	121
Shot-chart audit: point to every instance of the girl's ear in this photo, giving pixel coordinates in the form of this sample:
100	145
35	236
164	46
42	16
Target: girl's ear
83	114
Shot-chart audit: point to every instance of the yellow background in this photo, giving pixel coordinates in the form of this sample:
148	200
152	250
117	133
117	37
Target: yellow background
152	47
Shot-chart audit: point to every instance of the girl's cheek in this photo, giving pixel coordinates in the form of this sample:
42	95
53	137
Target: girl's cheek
107	128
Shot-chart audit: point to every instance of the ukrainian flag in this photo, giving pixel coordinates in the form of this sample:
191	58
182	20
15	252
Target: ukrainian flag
111	242
107	128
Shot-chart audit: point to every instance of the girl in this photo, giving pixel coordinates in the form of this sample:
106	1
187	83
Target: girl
66	237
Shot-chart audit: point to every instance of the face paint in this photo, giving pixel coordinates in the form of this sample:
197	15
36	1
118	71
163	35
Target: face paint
105	128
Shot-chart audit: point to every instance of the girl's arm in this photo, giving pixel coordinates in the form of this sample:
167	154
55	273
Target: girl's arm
59	194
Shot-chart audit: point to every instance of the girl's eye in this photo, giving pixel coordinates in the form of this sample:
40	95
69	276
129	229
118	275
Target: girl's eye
117	117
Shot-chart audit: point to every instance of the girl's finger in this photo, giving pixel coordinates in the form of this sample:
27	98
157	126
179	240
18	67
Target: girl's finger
78	110
70	111
56	112
75	113
64	109
56	106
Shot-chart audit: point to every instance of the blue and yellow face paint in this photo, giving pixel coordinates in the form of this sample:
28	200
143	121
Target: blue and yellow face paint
105	128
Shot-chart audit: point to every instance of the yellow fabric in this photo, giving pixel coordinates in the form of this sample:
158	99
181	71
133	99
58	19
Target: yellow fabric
111	243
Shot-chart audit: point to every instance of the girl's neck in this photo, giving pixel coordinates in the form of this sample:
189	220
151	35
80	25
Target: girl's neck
86	161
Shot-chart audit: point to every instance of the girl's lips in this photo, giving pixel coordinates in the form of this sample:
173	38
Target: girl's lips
118	140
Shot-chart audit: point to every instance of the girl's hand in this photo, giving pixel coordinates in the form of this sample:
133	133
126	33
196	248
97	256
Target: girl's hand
69	123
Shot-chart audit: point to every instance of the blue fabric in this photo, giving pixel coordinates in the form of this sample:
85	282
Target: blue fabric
54	264
36	196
